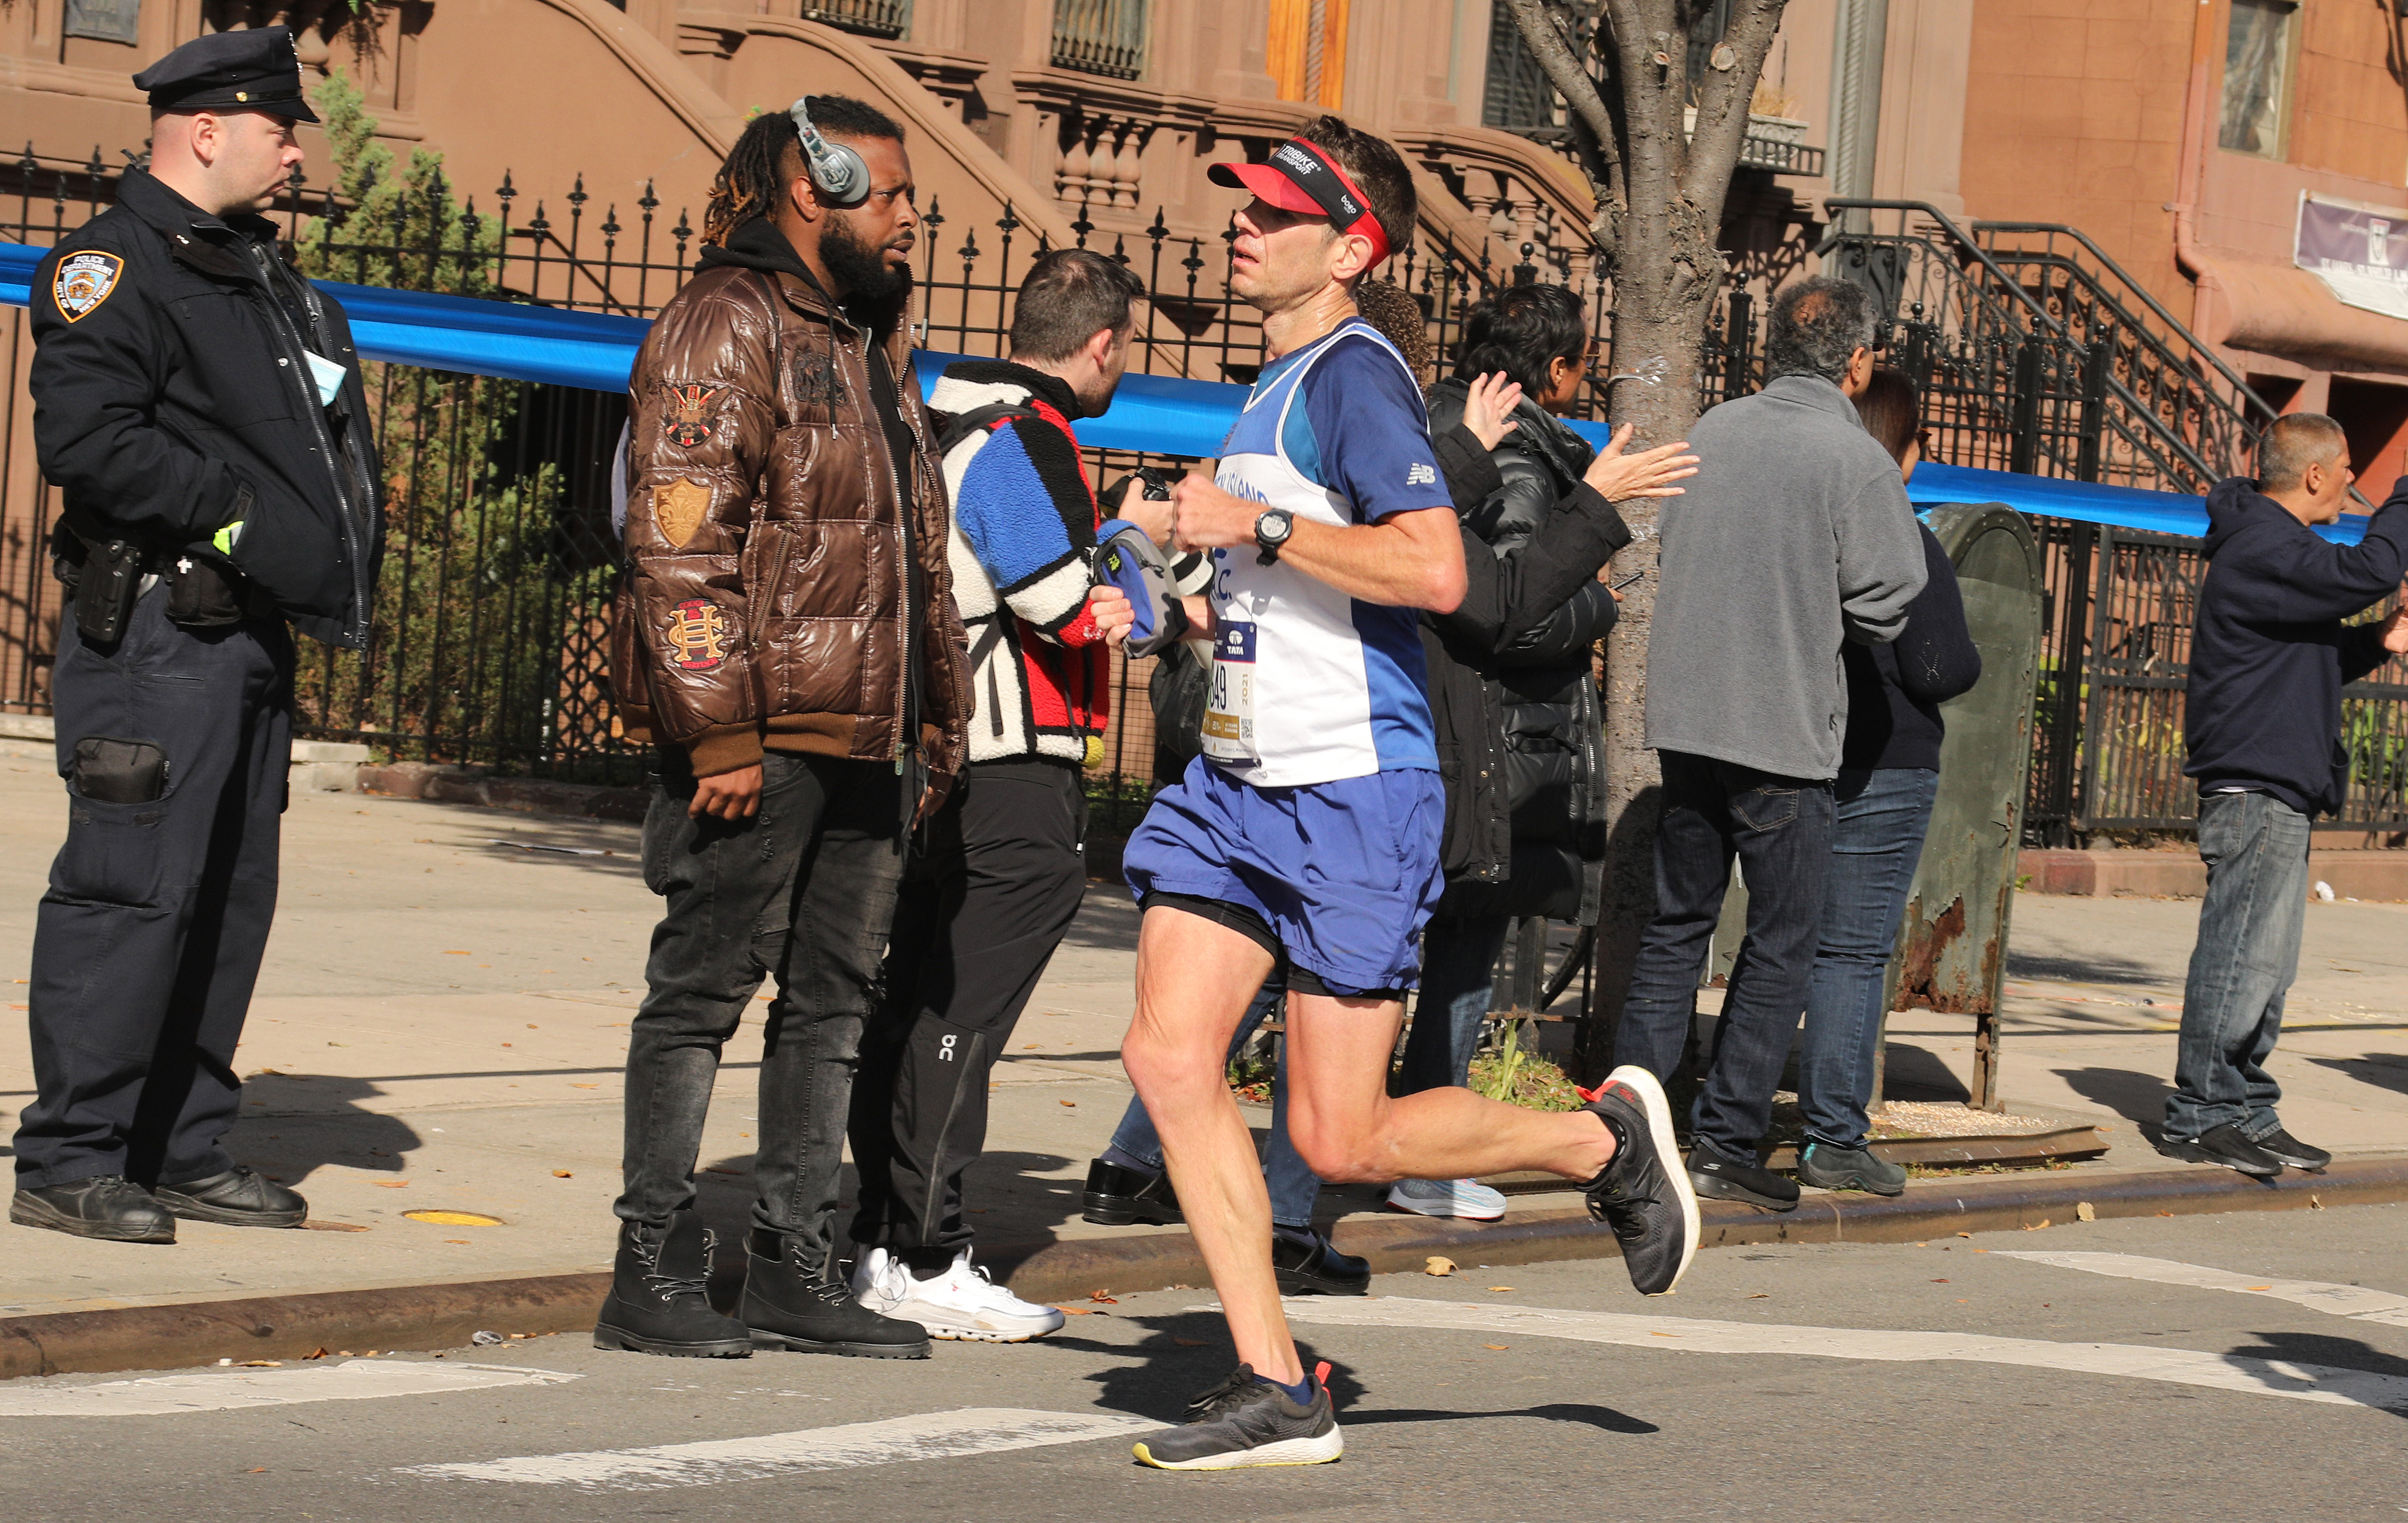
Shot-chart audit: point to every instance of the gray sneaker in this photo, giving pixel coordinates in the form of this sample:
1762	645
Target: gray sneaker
1244	1422
1830	1168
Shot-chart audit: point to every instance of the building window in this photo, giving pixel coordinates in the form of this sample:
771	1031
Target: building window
2257	77
1518	97
1101	36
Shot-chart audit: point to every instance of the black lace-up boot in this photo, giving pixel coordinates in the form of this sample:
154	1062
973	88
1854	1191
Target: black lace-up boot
657	1304
792	1304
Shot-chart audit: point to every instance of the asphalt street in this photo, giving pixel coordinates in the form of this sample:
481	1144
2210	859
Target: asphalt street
2239	1367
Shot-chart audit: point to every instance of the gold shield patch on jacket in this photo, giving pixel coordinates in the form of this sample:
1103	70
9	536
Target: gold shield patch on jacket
679	508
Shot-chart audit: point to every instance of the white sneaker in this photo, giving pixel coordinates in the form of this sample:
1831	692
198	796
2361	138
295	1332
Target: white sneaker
873	1280
1465	1198
962	1303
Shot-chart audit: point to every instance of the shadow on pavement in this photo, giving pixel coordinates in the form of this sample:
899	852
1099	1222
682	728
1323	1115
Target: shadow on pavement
1185	1354
2320	1348
2090	968
1558	1412
1911	1073
2138	1098
335	1128
2384	1071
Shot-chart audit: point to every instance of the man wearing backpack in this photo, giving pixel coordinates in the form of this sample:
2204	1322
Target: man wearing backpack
1002	871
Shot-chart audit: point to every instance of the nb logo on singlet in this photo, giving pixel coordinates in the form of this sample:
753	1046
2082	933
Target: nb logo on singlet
1422	475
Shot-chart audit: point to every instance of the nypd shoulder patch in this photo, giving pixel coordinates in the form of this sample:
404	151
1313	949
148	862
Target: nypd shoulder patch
84	281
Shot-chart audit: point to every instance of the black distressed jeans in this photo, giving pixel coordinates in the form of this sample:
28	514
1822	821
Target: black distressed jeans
1778	828
805	891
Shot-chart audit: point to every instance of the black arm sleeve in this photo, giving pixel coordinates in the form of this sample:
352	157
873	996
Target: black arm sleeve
95	385
1937	658
2362	650
1470	472
1507	599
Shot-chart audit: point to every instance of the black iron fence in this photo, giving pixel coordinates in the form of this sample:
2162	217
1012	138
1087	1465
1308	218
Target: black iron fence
488	637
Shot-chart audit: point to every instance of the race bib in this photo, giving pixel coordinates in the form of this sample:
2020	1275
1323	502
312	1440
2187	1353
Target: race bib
1229	703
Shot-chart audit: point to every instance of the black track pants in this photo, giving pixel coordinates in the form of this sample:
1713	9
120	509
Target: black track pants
176	745
982	914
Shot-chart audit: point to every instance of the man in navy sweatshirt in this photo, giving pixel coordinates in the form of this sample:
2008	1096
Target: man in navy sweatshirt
2267	659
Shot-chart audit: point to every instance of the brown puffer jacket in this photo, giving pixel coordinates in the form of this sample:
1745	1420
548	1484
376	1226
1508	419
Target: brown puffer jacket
766	600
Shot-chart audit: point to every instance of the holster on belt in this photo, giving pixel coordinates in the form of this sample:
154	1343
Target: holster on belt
105	577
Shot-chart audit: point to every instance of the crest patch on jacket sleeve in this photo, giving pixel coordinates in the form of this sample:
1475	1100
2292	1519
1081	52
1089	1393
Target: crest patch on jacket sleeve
697	634
84	281
692	415
678	509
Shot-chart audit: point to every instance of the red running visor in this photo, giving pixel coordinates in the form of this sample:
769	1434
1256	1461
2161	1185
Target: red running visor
1299	178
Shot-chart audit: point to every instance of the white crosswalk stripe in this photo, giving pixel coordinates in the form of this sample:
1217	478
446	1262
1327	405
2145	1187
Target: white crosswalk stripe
2350	1301
935	1435
2286	1378
225	1390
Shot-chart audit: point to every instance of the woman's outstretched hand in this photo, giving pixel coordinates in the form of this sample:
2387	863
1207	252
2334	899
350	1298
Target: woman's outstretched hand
1650	473
1488	411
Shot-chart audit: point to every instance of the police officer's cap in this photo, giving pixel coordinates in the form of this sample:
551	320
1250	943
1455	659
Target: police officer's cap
256	69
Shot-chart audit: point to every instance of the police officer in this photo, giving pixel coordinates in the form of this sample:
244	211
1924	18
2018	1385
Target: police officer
200	406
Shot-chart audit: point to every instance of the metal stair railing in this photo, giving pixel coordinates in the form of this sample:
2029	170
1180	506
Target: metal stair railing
2011	383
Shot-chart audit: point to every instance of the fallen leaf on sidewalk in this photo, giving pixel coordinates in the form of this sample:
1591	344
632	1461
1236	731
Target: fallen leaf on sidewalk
2038	1225
562	1174
256	1470
1190	1343
1969	1234
262	1364
2084	1210
1437	1265
1104	1296
2258	1287
393	1183
316	1354
450	953
584	1086
1082	1310
1069	1104
459	1243
1938	1282
1498	1347
1760	1296
1500	1287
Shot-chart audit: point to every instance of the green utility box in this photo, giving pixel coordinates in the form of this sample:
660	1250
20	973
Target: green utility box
1952	950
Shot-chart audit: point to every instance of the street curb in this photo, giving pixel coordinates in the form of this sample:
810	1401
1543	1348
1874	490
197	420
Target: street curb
445	1316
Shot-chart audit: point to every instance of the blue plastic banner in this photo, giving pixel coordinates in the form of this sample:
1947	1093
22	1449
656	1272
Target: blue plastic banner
1159	414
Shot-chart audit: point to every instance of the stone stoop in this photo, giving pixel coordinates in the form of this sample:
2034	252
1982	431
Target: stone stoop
2352	874
317	766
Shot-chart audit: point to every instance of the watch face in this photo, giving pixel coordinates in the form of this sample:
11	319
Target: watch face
1273	526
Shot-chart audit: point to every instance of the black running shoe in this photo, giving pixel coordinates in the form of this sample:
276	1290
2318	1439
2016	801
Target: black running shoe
1728	1179
1643	1194
2224	1146
1830	1168
1244	1422
2279	1143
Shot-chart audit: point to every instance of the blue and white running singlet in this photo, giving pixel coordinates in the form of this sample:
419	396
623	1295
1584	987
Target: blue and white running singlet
1308	684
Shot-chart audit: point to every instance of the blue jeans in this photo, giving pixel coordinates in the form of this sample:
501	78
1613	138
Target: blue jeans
2255	848
1293	1188
1458	974
1780	830
1877	832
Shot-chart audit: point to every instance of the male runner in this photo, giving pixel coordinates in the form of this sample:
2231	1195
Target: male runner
1307	834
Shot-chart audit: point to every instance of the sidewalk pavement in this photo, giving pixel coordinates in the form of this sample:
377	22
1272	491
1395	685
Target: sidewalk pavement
442	1017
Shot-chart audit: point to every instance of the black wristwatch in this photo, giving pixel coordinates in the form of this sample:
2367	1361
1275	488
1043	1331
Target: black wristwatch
1271	528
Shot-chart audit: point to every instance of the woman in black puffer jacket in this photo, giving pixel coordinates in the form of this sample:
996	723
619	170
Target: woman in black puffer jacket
1516	707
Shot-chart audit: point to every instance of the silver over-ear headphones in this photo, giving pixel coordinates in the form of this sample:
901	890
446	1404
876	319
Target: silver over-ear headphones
835	169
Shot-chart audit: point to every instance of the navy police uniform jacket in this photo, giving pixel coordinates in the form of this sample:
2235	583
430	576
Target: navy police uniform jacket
173	396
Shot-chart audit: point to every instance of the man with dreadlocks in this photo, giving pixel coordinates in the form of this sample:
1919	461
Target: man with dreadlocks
788	641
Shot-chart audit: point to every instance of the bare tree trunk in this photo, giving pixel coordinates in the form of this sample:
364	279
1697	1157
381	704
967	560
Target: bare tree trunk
1660	196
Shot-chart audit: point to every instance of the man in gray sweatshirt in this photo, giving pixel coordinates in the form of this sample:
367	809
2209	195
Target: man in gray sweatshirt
1794	537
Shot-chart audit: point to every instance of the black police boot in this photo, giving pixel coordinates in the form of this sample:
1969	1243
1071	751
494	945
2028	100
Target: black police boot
106	1206
806	1308
1307	1264
657	1305
1118	1196
240	1197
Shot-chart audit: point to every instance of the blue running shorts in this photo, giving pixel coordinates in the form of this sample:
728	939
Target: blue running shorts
1345	873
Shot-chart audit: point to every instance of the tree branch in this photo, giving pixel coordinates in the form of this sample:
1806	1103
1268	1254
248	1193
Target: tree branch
1723	106
1561	65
